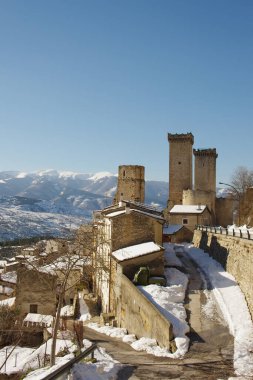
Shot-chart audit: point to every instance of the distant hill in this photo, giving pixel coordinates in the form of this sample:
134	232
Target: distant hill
53	202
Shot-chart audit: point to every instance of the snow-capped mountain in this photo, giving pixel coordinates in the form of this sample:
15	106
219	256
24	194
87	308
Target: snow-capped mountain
33	204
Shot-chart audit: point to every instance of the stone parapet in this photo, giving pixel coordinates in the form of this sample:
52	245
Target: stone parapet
205	152
180	137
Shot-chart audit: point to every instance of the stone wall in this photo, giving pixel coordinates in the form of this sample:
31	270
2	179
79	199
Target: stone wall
35	288
133	229
235	255
224	208
140	317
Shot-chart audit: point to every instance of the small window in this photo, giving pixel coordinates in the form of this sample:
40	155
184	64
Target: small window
71	301
33	308
185	221
179	162
124	173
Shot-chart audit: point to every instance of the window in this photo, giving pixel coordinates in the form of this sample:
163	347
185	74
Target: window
33	308
124	173
185	221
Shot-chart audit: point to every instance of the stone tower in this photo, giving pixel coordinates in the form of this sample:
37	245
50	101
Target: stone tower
180	166
131	183
205	169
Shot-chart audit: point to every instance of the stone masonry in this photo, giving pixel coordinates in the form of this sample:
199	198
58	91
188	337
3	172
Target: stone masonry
180	166
234	254
131	183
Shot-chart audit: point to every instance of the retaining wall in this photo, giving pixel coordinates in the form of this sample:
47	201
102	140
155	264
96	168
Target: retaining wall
234	254
140	317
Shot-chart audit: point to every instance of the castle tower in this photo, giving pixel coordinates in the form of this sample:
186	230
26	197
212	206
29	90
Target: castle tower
205	169
180	166
131	183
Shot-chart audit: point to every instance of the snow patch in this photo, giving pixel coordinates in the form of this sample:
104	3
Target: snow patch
233	306
101	175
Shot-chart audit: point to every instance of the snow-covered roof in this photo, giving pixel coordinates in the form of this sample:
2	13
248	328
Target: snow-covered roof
72	263
11	264
6	290
11	259
67	311
188	209
3	263
121	212
172	229
136	251
148	214
9	277
8	302
115	213
40	319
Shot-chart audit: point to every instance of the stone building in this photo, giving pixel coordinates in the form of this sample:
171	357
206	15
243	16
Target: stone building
190	216
35	292
131	183
176	233
121	226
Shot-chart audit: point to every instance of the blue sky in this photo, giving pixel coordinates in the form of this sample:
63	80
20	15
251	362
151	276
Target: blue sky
90	85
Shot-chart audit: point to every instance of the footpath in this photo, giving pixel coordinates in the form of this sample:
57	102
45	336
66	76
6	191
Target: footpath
210	355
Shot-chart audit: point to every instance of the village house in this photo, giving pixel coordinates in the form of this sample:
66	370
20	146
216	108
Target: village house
36	291
190	216
126	226
176	233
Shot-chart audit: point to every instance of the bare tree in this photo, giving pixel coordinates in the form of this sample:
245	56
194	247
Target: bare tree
242	179
69	266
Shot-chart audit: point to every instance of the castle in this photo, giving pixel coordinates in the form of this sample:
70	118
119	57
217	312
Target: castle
192	196
184	193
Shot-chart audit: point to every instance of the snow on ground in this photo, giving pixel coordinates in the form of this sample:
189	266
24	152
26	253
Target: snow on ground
115	332
233	306
22	359
169	301
84	310
170	256
106	368
67	311
101	175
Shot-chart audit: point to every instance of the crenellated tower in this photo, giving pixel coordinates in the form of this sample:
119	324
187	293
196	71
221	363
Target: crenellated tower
180	166
205	169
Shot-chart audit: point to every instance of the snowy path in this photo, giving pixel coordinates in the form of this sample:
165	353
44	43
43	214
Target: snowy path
210	355
234	308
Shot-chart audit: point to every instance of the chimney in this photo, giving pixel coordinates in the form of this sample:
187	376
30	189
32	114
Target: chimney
120	200
127	208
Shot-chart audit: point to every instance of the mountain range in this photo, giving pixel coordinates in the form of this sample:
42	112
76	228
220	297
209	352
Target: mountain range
51	202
